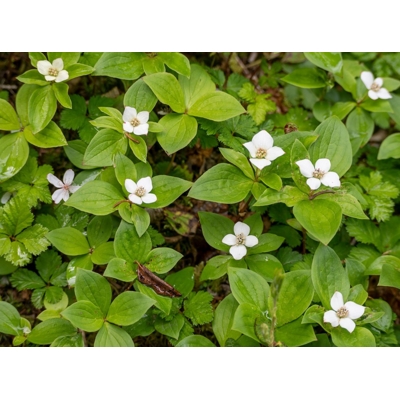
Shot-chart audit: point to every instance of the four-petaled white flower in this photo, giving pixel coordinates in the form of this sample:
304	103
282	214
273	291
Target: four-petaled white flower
139	193
374	86
64	188
262	149
135	122
343	314
240	240
53	72
319	174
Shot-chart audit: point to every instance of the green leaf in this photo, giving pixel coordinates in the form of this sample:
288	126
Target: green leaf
152	65
8	117
308	78
328	275
390	147
217	267
176	61
272	180
33	77
79	70
223	320
364	232
198	308
333	143
167	189
120	65
75	151
68	341
170	328
289	195
266	242
295	334
48	331
42	107
182	280
247	287
178	131
377	105
128	307
124	169
22	101
120	269
112	336
68	58
50	136
216	106
162	260
140	96
245	319
140	218
162	303
223	183
265	265
390	275
360	126
349	204
239	160
195	341
24	279
99	230
61	91
14	151
15	217
129	246
341	109
9	319
84	315
103	254
321	218
331	62
95	197
295	296
94	288
69	241
167	89
360	337
139	149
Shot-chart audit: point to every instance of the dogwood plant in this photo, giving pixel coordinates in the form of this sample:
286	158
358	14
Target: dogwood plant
65	187
140	191
262	149
374	86
135	122
343	314
240	240
53	71
318	174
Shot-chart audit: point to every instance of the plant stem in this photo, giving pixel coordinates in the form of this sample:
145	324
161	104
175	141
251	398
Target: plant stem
131	138
313	196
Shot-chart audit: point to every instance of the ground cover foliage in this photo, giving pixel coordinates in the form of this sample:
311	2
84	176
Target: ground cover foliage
199	199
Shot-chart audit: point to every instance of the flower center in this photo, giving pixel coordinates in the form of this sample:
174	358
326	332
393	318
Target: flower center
66	187
318	174
53	72
261	153
375	87
135	122
343	312
240	239
140	191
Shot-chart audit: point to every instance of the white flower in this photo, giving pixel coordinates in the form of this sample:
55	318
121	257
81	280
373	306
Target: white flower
65	187
240	240
139	193
319	174
262	149
375	89
6	196
26	330
343	314
135	122
53	72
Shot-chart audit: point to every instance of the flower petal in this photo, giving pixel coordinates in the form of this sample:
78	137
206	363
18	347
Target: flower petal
6	196
260	163
146	183
367	78
58	195
240	227
229	239
68	177
238	252
306	168
323	164
251	148
65	195
331	179
263	140
337	301
130	186
379	81
149	198
62	76
129	114
141	129
384	94
135	199
251	241
347	323
354	309
143	116
372	94
128	127
313	183
274	152
73	188
54	181
50	78
58	64
332	318
43	67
